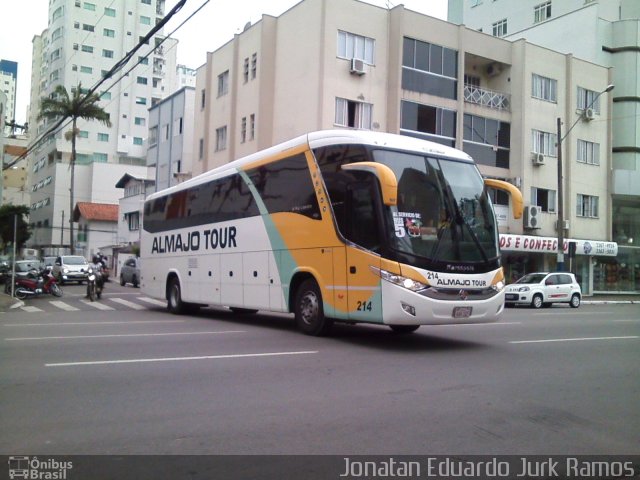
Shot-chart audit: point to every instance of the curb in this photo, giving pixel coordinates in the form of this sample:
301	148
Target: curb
610	302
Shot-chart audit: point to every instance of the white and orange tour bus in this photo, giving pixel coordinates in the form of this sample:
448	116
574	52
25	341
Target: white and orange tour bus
340	225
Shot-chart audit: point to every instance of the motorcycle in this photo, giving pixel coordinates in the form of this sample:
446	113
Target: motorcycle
36	283
95	283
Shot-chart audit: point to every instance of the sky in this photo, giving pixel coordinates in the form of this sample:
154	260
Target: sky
207	30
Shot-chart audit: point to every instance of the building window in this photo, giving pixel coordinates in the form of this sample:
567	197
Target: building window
587	206
356	46
541	12
487	140
544	88
543	198
87	27
203	98
544	143
109	12
143	60
141	80
133	220
223	83
107	32
221	138
141	121
83	134
353	114
586	100
89	6
429	68
100	157
138	141
57	14
252	126
146	2
254	65
105	96
200	148
153	136
141	100
245	71
107	53
84	69
145	20
428	122
87	48
500	28
103	137
57	33
243	130
588	152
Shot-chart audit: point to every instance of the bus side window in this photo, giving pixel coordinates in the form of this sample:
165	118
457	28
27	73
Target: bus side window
361	218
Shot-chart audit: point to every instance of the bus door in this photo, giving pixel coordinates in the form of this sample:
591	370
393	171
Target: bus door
362	229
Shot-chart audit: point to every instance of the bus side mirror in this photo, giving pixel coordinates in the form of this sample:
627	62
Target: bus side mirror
386	177
512	190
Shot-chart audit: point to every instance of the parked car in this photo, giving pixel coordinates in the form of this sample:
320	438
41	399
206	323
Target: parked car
70	268
130	272
541	289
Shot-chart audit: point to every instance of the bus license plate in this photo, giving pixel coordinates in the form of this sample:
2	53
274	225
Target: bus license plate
462	312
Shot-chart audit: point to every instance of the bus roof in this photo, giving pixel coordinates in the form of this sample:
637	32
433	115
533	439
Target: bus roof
323	138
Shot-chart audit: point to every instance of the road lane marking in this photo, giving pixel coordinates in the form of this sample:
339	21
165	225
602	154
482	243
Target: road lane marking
152	301
98	305
586	339
31	309
89	323
63	306
581	313
474	324
178	359
74	337
129	304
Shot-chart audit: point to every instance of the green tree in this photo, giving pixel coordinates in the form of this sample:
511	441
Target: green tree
7	214
77	106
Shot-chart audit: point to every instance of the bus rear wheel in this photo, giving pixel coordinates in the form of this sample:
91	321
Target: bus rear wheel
174	297
404	328
308	310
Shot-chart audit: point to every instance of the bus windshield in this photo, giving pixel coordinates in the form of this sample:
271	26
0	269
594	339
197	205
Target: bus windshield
442	214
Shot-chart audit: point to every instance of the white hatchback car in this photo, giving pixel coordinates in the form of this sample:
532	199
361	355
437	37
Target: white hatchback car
543	288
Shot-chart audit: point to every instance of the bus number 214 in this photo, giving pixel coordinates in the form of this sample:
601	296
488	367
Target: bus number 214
364	306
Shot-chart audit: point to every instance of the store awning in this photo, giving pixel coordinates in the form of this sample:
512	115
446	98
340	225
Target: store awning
528	243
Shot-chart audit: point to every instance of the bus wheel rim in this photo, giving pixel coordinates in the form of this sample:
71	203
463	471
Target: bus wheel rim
309	308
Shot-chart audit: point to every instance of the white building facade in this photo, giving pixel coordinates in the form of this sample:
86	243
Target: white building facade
8	83
82	42
604	32
346	64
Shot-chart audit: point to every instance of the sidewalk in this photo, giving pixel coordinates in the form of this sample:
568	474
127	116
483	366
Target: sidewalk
7	303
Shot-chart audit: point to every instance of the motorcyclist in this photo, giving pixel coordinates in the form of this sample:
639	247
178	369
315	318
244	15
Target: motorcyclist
98	266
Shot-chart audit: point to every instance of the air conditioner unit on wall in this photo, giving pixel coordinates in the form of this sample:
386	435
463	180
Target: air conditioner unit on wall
537	158
565	223
531	216
589	114
357	66
494	69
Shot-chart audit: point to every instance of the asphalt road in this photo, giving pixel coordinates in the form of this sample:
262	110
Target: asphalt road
134	379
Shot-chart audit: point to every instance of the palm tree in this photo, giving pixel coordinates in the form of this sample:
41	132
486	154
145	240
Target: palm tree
80	105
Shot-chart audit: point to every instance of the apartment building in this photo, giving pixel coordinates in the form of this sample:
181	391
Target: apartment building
8	83
83	41
604	32
347	64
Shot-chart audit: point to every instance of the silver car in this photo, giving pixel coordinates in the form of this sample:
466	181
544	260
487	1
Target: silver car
130	272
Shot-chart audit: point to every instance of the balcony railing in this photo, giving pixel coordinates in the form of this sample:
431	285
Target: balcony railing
487	98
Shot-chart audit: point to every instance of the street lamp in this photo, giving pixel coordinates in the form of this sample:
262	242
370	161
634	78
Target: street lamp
560	226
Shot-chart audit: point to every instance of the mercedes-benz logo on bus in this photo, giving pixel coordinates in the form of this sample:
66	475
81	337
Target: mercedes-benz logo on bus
463	294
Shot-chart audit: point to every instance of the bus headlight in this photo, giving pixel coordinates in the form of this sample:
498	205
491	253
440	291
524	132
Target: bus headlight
498	287
399	280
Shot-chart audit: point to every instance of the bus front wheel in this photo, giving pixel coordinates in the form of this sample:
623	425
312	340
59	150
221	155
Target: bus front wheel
308	310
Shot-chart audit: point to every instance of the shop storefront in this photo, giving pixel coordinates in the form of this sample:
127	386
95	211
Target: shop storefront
597	264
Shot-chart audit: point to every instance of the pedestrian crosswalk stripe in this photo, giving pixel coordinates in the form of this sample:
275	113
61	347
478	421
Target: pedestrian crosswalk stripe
63	306
30	309
129	304
98	305
152	301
